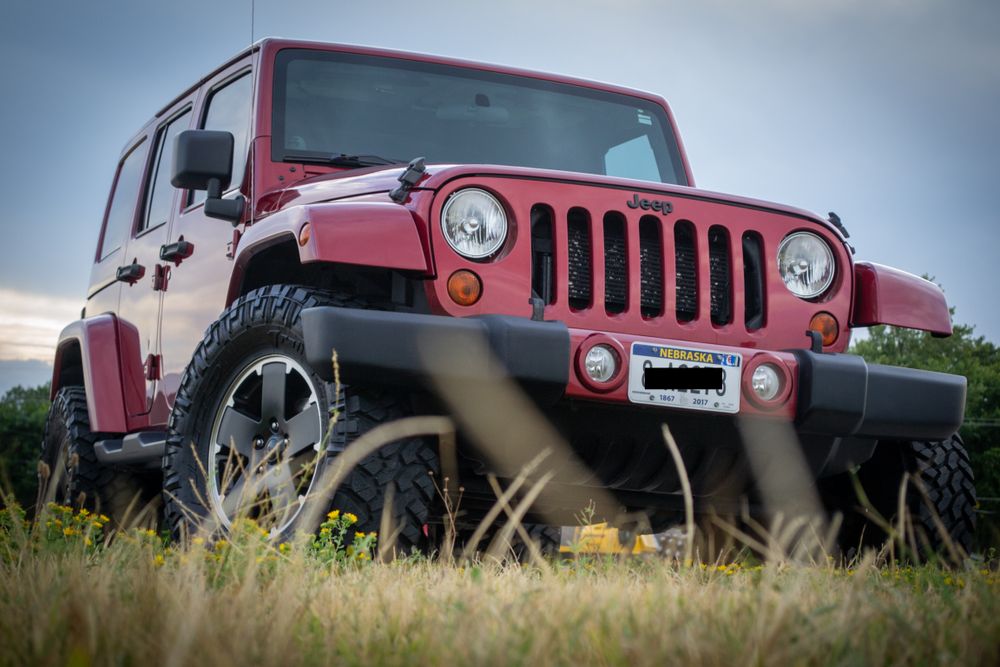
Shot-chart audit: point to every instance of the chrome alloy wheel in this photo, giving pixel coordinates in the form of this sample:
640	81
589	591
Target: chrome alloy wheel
266	444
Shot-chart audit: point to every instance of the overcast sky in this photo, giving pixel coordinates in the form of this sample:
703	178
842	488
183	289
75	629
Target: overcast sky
885	111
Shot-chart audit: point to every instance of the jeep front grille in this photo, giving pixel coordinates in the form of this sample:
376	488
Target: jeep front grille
615	264
718	267
661	287
686	267
650	268
580	274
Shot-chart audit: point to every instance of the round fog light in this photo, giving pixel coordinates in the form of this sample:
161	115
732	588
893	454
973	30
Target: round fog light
600	363
766	382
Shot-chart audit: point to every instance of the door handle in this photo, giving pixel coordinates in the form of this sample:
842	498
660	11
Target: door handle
130	273
175	252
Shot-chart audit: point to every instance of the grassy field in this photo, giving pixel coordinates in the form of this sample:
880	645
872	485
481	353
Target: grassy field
71	593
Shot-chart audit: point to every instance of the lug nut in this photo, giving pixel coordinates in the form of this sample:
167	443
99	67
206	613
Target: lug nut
274	426
258	442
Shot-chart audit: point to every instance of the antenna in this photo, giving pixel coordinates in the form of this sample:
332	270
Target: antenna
252	121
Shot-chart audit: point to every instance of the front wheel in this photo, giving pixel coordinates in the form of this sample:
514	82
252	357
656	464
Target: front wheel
940	497
248	432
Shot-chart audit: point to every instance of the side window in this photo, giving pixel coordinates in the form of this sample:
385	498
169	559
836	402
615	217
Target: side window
160	194
122	209
228	109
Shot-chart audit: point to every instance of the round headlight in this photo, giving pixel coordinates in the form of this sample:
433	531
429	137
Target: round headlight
805	262
474	223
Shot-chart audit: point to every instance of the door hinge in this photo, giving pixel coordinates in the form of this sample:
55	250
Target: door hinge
231	246
161	276
152	367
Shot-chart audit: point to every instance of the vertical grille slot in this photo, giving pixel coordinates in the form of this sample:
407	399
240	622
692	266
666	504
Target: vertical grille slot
650	267
542	269
753	280
615	263
686	272
720	274
579	278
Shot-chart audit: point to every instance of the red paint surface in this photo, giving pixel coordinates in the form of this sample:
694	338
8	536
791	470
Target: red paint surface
884	295
98	340
361	233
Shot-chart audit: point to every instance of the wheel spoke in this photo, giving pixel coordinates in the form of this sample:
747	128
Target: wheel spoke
242	494
303	430
272	390
281	489
238	431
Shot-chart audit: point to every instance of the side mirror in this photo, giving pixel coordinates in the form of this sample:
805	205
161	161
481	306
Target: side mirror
203	160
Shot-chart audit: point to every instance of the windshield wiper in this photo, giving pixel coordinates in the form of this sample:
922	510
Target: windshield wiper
341	159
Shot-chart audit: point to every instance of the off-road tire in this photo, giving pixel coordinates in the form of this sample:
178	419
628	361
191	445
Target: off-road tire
941	489
268	320
548	539
69	472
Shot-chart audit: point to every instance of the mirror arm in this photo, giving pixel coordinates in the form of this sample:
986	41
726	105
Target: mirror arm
214	189
226	209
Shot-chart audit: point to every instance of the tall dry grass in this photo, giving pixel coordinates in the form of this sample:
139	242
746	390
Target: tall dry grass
132	600
81	597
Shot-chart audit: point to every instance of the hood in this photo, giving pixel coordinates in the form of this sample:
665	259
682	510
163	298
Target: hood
381	179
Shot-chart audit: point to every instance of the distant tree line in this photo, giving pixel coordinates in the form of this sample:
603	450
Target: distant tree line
22	420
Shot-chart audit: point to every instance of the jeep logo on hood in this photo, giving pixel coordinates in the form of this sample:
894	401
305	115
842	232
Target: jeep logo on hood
660	205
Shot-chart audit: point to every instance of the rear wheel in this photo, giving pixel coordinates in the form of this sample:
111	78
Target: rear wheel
70	473
940	497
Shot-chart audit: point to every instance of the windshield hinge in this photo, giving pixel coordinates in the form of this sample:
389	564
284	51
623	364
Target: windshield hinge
414	171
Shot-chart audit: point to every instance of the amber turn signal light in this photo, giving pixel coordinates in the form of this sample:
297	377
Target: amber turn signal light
465	287
826	325
304	234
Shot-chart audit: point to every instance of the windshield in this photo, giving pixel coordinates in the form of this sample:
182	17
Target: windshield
329	104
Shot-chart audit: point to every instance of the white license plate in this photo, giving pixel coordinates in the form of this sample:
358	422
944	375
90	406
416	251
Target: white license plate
651	355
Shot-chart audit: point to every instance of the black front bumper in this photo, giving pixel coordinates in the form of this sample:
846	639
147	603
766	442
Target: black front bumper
838	394
377	347
841	394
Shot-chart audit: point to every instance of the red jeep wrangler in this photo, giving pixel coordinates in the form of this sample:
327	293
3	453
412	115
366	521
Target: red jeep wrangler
277	211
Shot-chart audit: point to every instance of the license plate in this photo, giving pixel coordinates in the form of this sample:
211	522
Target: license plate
650	355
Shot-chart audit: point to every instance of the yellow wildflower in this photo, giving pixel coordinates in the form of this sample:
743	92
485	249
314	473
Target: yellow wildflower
69	532
284	548
104	518
351	519
333	515
88	542
198	541
158	560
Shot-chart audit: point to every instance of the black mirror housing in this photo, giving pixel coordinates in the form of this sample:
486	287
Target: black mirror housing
201	156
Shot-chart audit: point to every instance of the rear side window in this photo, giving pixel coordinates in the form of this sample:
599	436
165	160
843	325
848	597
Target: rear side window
126	193
160	192
228	109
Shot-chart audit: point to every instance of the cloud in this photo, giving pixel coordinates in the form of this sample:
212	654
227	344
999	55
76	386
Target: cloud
30	324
